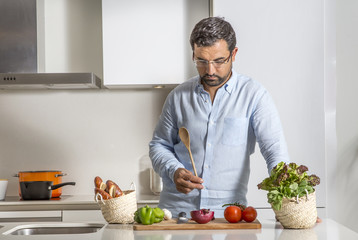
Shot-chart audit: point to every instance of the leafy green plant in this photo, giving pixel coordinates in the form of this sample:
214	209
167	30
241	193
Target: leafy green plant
288	181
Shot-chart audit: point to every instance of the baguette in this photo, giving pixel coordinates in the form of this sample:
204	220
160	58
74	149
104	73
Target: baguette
113	189
103	193
98	183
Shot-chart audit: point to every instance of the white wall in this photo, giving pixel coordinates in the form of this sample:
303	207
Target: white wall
346	190
285	51
83	133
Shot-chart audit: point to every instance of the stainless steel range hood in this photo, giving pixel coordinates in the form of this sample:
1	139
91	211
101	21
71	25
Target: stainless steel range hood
18	53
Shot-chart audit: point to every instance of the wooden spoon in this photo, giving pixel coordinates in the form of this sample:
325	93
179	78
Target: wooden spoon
185	138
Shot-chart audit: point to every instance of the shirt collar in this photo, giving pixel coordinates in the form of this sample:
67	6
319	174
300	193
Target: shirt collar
229	85
199	87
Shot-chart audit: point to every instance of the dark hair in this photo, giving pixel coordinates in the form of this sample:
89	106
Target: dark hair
210	30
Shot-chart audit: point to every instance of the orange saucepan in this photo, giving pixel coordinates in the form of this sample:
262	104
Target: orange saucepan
52	175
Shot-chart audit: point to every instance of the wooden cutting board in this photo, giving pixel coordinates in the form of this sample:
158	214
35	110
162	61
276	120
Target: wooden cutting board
218	223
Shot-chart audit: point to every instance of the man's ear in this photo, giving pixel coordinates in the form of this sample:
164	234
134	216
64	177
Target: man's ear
233	55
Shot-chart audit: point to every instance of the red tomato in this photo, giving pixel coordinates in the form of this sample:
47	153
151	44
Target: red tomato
249	214
232	214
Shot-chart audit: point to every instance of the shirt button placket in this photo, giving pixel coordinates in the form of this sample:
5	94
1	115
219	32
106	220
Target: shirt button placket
204	194
207	162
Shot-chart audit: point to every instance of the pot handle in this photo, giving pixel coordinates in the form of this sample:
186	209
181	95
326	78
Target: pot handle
61	175
16	175
53	187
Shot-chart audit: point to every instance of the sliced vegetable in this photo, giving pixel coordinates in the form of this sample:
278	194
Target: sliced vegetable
202	216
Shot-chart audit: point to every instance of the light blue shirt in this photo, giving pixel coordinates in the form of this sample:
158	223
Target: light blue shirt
223	136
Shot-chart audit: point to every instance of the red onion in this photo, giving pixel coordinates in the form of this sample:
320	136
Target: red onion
202	215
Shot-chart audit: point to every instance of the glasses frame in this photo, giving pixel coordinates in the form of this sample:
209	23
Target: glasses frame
206	63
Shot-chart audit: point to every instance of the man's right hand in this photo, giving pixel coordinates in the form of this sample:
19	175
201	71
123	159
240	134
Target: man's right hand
185	181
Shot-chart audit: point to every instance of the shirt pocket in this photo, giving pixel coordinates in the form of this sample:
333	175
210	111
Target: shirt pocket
235	131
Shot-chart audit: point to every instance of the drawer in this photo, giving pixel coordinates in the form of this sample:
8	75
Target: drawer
31	216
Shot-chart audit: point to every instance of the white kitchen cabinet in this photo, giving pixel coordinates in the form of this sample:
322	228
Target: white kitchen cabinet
146	43
69	36
282	45
52	216
31	216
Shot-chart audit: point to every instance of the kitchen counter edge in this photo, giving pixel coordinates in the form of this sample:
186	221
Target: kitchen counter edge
66	202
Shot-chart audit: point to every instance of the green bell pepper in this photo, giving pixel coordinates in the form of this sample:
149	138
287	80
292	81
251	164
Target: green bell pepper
136	216
147	215
158	215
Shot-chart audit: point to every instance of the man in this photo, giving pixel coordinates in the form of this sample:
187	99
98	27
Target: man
225	113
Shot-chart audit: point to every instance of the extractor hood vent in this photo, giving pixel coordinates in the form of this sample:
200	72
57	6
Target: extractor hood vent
18	53
49	81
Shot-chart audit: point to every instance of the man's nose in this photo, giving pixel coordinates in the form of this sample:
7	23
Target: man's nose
210	69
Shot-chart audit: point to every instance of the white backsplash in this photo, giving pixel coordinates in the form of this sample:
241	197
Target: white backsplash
82	133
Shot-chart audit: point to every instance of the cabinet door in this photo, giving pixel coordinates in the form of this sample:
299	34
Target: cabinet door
30	216
147	42
281	45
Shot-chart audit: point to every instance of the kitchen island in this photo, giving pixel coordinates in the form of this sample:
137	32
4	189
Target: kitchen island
271	229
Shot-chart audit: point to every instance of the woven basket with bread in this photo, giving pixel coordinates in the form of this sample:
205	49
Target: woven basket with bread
117	206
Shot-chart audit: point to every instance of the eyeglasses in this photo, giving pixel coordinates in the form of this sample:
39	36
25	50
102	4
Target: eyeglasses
199	63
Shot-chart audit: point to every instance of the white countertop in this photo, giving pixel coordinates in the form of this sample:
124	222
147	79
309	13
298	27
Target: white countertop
66	202
327	230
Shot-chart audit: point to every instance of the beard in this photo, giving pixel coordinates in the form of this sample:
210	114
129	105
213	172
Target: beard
214	80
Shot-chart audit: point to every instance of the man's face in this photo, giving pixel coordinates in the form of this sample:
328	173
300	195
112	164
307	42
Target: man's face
214	63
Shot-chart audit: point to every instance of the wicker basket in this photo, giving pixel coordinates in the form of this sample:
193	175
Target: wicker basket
120	209
298	212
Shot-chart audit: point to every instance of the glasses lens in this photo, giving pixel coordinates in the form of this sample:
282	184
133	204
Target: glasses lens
218	64
200	63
